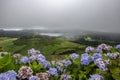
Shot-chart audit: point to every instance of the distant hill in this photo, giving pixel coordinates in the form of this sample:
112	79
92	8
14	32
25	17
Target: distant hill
96	38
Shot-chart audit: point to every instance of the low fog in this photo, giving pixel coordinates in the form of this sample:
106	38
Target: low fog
91	15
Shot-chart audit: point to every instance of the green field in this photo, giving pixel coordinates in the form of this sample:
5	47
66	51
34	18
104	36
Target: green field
51	47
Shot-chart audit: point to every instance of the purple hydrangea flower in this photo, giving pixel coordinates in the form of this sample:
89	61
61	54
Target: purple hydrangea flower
110	55
53	71
118	46
25	72
96	77
113	55
102	64
89	49
67	63
32	58
74	56
34	78
24	59
32	51
98	49
104	47
85	59
40	58
96	56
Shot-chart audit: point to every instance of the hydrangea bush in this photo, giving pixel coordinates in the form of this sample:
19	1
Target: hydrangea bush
100	63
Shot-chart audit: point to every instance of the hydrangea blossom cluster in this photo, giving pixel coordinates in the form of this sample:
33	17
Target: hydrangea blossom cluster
85	59
118	47
74	56
46	64
113	55
34	78
65	77
32	51
32	58
103	47
40	58
102	64
9	75
89	49
96	77
43	76
24	59
98	49
66	62
36	57
96	56
53	71
25	72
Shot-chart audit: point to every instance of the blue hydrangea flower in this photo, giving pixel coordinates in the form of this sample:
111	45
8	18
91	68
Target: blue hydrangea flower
96	77
34	78
102	64
24	59
96	56
11	72
40	57
9	75
3	76
67	63
89	49
74	56
110	55
41	60
118	46
46	64
85	59
53	71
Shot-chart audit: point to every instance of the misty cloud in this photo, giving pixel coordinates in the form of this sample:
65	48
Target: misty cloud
96	15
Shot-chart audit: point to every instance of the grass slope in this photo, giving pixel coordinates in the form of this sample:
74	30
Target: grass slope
51	47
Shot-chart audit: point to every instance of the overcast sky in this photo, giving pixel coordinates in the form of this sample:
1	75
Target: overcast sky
98	15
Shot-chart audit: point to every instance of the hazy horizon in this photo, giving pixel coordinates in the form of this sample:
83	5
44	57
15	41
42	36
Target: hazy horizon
62	15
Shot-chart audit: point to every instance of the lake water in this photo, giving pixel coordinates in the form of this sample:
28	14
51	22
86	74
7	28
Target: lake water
51	34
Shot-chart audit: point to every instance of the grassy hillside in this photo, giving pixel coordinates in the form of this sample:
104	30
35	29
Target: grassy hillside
51	47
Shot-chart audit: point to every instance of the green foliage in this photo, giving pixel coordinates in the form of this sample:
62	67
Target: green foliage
6	63
35	66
